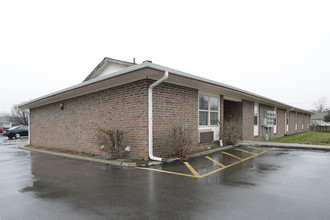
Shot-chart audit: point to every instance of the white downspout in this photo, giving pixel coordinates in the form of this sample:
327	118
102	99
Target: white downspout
150	120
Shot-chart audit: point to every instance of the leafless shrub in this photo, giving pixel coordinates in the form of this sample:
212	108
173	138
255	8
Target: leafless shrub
179	141
110	141
231	132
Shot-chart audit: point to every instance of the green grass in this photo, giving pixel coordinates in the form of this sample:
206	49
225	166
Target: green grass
312	137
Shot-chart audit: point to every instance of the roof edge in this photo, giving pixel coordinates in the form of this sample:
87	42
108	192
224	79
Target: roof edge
134	67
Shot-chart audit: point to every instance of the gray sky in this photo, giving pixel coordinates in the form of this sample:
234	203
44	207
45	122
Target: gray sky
278	49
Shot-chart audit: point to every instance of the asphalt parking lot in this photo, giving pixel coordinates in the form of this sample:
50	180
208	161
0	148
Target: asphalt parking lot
263	184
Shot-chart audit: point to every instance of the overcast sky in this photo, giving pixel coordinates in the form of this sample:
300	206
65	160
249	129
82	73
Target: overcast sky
278	49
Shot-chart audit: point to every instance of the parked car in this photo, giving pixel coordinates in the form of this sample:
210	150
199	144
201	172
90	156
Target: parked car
16	132
2	128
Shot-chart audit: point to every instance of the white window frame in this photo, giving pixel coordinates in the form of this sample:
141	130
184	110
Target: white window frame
275	124
303	121
209	110
256	113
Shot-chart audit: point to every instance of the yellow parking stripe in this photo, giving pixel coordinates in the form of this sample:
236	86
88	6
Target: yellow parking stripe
196	175
164	171
246	151
232	155
220	164
254	148
191	169
230	165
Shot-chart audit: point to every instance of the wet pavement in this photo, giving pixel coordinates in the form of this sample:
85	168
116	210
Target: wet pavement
277	184
5	141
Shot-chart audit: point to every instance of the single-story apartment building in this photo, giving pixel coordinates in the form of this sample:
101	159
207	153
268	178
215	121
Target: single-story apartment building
145	100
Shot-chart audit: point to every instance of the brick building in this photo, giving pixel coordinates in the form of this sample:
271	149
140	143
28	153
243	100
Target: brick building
118	93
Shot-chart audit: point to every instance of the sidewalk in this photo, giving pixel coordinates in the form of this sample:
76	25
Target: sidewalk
284	145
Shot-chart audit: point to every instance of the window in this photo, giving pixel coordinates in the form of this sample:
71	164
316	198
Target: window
208	110
256	119
275	120
287	120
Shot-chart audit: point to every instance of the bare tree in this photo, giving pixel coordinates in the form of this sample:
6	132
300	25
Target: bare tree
320	106
18	116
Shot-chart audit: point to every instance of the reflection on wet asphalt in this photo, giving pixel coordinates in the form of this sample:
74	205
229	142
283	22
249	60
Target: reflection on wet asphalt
280	184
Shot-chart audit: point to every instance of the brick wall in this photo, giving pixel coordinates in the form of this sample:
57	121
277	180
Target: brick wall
75	126
248	125
173	105
247	120
126	107
280	127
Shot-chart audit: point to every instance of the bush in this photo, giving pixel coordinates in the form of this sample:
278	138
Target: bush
110	140
180	142
231	132
327	117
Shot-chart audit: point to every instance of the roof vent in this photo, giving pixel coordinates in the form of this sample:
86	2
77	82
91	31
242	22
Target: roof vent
147	61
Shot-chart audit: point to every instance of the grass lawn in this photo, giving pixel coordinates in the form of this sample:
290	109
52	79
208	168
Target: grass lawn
312	137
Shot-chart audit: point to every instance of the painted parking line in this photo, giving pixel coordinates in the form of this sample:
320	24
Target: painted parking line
191	169
165	171
256	148
220	164
230	165
197	175
246	151
232	155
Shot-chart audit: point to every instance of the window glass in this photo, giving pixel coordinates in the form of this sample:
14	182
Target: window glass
255	120
208	110
203	119
214	118
203	102
214	103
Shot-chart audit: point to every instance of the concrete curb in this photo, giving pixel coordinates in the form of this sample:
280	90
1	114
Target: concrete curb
122	163
284	145
111	162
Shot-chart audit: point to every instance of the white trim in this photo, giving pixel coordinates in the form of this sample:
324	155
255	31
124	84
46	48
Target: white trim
287	121
231	99
256	112
209	111
275	125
